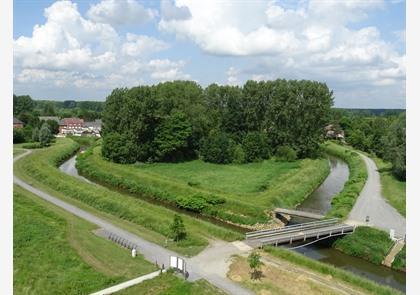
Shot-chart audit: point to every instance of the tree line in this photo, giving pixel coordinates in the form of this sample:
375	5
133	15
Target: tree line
179	120
382	135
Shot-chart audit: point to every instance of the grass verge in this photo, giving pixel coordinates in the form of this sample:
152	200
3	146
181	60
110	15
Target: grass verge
344	201
334	272
54	251
392	189
149	221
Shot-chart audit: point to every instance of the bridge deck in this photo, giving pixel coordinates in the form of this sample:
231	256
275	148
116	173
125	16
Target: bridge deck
298	213
298	232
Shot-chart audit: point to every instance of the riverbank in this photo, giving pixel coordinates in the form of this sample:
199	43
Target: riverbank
344	201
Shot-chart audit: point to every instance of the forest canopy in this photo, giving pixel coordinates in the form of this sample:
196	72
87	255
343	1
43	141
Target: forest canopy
179	120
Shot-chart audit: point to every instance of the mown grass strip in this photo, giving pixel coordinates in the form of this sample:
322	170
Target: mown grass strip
336	273
344	201
40	168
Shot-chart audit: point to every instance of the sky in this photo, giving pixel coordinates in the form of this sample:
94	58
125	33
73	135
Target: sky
84	49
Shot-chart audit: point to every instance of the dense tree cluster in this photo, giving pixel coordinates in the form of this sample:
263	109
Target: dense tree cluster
382	135
179	120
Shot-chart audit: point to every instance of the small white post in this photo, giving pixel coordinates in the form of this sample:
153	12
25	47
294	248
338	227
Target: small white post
392	234
133	252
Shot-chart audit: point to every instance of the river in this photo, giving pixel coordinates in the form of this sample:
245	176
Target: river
319	201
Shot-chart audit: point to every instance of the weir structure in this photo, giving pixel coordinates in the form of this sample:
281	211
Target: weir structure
319	229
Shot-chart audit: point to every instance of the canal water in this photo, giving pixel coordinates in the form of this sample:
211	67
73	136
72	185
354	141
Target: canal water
320	202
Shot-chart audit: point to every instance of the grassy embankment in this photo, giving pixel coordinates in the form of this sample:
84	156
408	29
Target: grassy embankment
344	201
247	191
399	261
54	250
142	218
326	269
392	189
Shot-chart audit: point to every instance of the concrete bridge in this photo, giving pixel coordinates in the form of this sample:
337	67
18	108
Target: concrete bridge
299	232
290	212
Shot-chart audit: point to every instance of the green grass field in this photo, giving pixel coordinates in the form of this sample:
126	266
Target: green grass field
55	252
169	284
145	219
249	189
392	189
367	243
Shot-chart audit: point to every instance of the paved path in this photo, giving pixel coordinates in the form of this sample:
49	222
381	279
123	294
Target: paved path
196	266
371	203
127	284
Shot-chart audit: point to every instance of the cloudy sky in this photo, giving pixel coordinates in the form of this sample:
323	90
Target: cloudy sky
84	49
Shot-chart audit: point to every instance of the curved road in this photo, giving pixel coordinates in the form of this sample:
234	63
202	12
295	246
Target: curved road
371	203
213	269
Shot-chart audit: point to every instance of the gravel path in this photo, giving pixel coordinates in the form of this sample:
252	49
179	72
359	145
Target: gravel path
371	203
198	267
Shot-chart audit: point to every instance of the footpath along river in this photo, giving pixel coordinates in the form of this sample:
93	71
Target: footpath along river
320	201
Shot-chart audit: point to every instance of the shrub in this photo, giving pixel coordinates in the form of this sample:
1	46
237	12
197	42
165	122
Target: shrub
45	135
119	148
195	204
32	145
238	155
177	229
217	148
18	135
286	154
255	145
214	200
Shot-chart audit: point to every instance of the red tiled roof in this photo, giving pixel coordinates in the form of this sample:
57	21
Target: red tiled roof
73	121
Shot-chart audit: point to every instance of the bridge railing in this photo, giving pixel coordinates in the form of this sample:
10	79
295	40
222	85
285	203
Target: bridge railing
292	228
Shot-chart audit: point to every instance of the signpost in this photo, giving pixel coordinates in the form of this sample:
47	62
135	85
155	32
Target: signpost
179	264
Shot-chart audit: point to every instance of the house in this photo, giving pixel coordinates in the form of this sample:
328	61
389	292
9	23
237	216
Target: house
70	124
334	132
17	123
46	118
93	128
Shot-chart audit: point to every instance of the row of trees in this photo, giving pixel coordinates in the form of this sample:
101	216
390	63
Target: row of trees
179	120
382	135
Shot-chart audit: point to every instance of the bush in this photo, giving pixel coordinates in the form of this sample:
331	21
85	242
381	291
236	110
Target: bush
119	148
286	154
238	155
18	135
195	204
217	148
32	145
256	148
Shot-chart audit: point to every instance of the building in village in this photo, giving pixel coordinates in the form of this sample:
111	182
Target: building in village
332	132
17	123
78	127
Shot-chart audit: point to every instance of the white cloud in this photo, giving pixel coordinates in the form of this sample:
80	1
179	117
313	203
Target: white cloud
312	40
120	12
169	11
69	50
232	76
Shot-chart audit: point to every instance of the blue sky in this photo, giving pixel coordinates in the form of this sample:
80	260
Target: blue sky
83	49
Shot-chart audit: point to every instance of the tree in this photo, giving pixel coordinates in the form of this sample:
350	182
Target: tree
172	137
18	135
217	148
49	109
35	134
23	103
54	127
285	153
119	148
177	229
45	135
254	260
255	146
